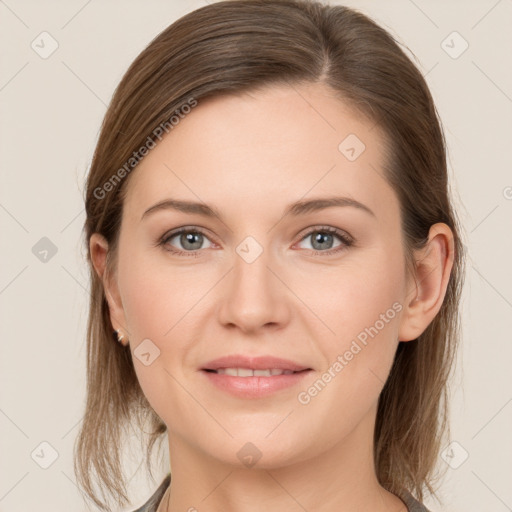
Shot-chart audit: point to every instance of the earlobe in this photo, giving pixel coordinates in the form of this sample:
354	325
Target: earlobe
432	272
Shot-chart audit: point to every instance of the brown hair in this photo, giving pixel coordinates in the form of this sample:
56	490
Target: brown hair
236	46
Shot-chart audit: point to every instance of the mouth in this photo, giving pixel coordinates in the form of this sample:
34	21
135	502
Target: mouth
248	376
250	372
252	383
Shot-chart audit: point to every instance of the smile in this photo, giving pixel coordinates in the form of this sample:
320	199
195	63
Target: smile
248	372
247	383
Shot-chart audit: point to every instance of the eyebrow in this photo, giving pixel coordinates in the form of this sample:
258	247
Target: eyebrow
294	209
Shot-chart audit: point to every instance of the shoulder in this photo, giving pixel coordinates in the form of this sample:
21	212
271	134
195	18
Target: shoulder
413	505
152	504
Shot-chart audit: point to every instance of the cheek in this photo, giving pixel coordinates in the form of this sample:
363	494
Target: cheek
156	294
363	308
361	303
353	296
156	310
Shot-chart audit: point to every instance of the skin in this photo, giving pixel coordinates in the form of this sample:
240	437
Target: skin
249	156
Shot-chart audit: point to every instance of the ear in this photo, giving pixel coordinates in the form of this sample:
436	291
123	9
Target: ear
433	265
98	247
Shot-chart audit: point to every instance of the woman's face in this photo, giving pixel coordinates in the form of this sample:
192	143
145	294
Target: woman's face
263	279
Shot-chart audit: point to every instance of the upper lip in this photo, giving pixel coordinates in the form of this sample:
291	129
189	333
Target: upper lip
254	363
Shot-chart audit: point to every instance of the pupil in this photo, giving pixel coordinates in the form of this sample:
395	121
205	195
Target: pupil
321	238
189	239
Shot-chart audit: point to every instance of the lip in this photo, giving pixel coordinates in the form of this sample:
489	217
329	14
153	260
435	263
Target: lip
254	387
255	363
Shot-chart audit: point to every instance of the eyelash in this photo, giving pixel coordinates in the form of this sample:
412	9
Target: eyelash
346	240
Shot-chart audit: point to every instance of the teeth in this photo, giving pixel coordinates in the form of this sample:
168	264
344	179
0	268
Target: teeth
247	372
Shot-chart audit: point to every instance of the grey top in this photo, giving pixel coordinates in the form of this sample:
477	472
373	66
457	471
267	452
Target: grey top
152	504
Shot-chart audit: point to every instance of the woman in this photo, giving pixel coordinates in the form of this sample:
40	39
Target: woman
272	244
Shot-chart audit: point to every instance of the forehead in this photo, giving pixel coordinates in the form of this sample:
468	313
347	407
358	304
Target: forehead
275	144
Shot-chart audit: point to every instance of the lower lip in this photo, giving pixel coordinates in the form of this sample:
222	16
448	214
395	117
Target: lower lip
254	387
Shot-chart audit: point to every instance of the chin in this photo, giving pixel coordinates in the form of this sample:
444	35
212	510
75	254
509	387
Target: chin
256	451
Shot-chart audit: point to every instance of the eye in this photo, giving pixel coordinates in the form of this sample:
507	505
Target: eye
323	237
190	240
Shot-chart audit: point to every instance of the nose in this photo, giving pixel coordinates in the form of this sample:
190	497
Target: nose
254	296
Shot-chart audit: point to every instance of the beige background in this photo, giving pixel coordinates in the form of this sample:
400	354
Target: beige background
51	110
